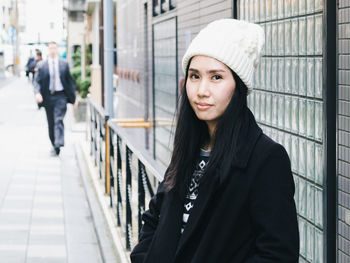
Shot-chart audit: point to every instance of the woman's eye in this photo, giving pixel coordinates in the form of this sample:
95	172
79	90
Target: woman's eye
217	77
194	76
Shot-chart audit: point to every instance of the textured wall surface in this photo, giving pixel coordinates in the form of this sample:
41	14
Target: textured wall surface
344	132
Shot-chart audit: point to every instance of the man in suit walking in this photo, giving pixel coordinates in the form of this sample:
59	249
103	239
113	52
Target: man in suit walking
54	88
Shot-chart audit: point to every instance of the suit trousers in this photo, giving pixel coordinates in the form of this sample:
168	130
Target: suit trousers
56	109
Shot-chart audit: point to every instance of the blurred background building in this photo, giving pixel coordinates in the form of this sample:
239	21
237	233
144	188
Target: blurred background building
75	27
27	25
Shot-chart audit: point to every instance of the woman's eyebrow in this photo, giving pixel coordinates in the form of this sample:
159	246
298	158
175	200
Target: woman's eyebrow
215	70
208	71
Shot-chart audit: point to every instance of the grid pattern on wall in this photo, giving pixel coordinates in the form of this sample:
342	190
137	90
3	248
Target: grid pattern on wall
344	133
288	102
165	85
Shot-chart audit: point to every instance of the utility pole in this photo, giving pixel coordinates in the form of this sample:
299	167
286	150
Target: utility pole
82	57
108	55
16	55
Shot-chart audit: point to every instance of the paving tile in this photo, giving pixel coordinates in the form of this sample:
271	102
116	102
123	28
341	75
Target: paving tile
47	205
47	229
28	180
11	227
43	190
19	197
16	204
48	188
12	256
47	213
14	237
22	191
15	211
47	251
88	253
11	218
47	240
47	220
46	260
48	198
51	178
13	247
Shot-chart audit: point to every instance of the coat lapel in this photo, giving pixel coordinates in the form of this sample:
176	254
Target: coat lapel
249	135
47	73
60	69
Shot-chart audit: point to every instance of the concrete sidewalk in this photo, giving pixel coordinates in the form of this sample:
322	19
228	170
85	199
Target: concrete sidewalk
45	214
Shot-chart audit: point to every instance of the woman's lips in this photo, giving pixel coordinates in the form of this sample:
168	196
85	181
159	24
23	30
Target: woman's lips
203	106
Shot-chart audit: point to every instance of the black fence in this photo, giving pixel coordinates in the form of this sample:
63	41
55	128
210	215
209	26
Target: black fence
128	172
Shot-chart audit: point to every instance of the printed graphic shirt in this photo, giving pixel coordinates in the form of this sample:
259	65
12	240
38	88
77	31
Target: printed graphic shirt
192	190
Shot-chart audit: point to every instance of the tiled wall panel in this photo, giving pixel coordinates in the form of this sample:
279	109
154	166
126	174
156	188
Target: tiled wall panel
288	103
344	131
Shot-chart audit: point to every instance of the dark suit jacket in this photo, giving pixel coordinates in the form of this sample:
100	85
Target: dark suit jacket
243	214
42	81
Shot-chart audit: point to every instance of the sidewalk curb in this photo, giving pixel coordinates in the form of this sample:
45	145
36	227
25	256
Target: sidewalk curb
84	159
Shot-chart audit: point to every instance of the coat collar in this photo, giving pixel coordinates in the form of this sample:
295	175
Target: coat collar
248	136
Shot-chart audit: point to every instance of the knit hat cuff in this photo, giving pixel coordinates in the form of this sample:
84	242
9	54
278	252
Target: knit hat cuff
234	58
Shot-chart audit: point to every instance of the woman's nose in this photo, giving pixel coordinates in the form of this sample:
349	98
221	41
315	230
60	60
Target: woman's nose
203	88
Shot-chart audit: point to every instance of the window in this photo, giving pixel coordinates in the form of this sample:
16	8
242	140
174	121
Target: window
162	6
172	4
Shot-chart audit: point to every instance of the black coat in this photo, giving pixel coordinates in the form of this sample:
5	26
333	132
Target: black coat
246	214
42	82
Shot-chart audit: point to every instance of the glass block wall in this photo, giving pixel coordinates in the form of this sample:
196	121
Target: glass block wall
288	102
165	86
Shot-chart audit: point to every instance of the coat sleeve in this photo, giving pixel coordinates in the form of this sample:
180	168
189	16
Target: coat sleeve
70	85
273	211
150	220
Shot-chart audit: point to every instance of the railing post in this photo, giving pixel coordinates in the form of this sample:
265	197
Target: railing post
91	129
95	136
111	163
107	160
128	199
101	126
119	175
141	195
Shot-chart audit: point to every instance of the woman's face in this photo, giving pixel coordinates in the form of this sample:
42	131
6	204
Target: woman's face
210	86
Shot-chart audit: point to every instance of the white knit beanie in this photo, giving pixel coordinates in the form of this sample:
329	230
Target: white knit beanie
236	43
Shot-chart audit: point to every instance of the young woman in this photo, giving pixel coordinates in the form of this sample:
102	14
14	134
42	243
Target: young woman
227	195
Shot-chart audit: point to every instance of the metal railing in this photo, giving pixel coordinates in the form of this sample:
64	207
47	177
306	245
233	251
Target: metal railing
129	174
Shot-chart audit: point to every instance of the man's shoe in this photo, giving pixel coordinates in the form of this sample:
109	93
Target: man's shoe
57	150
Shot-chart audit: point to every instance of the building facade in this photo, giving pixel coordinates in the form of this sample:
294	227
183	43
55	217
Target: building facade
75	28
301	95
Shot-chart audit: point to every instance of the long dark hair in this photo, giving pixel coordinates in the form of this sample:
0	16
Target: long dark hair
191	133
